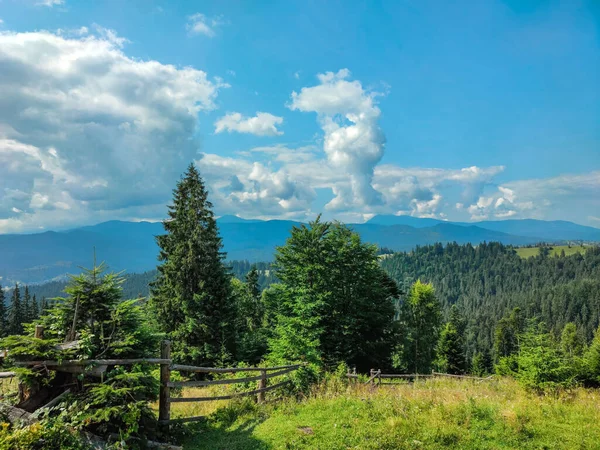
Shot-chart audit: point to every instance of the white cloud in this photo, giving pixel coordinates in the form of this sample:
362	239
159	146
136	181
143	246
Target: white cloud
85	127
297	75
200	24
353	141
51	3
262	124
550	198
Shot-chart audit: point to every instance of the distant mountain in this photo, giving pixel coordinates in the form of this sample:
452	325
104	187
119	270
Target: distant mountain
555	230
131	246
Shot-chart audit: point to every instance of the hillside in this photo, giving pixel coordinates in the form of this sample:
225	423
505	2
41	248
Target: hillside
434	414
486	282
130	246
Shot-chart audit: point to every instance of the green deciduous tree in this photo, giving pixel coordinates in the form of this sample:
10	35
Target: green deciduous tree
192	295
420	318
335	303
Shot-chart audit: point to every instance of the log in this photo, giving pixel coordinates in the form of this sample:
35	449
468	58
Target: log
55	401
16	415
465	377
7	374
227	397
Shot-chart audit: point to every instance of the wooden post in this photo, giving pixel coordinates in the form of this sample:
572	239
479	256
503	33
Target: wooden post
164	407
39	331
379	377
262	383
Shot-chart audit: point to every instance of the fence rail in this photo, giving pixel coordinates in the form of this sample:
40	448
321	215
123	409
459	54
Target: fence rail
166	367
375	375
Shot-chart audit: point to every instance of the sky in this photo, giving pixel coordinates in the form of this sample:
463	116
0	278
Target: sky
462	111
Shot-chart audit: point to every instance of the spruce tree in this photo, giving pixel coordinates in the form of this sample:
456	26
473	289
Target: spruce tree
15	312
192	294
3	322
26	305
451	346
34	310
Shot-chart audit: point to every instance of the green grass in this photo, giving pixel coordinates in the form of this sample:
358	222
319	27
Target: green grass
434	414
525	252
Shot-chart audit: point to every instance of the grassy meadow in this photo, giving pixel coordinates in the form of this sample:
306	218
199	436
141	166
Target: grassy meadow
526	252
432	414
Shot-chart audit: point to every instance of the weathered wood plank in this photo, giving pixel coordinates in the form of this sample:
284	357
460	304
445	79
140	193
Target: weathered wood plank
196	369
7	374
227	397
88	362
187	419
466	377
179	384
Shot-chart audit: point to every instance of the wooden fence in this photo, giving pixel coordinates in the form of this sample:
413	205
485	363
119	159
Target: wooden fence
166	367
376	377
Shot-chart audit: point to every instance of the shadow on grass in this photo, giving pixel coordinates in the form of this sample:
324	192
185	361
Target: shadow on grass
235	437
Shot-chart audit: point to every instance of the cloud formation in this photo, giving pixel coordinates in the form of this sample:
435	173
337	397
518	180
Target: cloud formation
262	124
353	141
51	3
200	24
87	128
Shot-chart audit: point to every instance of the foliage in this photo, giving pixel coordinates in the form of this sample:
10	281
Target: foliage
541	364
192	296
3	321
420	318
334	303
47	435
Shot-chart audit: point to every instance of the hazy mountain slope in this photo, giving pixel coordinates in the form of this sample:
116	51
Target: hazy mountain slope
131	246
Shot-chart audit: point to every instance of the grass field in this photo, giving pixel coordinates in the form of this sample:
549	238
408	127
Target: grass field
433	414
525	252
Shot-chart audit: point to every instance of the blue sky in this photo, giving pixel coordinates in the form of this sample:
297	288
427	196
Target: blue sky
455	110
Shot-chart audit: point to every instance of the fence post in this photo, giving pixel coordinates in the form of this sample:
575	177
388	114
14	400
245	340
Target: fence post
379	377
39	331
164	407
262	383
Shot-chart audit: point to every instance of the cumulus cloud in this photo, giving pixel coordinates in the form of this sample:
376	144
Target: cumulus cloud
200	24
85	127
549	198
353	140
240	186
262	124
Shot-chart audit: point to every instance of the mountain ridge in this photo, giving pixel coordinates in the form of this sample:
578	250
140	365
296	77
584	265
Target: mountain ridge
131	246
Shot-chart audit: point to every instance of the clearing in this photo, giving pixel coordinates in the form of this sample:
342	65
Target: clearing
527	252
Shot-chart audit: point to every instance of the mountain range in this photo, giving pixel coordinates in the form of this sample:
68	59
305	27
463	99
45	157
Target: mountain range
130	246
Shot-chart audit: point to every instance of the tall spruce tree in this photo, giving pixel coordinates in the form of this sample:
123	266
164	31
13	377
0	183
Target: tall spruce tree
26	305
3	322
15	312
34	311
192	294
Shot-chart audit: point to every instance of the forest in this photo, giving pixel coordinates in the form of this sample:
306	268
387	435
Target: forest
329	302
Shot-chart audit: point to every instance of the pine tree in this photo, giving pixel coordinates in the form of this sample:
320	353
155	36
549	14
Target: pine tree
192	295
43	306
15	312
3	321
